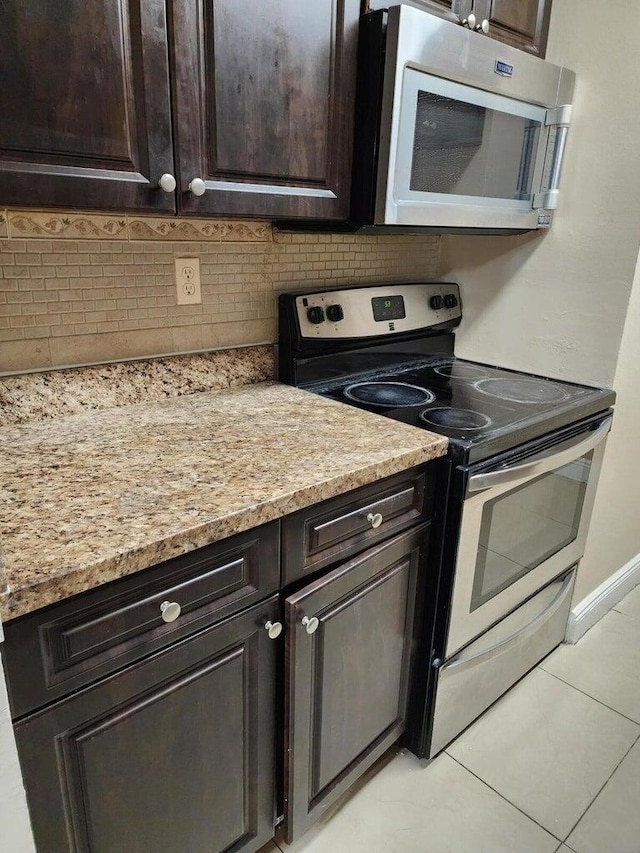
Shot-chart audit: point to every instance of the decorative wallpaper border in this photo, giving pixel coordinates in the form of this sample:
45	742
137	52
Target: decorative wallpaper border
70	226
75	225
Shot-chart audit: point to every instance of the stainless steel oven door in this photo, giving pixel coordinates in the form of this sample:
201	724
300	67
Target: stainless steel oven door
522	525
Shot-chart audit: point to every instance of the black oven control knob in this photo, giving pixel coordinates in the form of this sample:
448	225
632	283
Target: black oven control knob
335	313
436	302
315	315
450	300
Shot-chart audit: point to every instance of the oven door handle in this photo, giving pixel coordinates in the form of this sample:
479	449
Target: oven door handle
542	463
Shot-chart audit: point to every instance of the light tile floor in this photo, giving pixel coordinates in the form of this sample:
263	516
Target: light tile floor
553	766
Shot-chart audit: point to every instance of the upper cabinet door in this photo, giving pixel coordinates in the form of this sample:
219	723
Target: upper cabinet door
521	23
452	10
524	24
84	104
263	106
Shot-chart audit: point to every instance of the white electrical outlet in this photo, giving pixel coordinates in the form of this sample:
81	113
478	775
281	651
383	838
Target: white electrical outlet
188	281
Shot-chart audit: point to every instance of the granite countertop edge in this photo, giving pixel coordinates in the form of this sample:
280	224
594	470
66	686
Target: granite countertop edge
25	593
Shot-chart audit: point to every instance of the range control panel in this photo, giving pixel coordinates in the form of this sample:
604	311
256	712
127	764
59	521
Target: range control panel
387	309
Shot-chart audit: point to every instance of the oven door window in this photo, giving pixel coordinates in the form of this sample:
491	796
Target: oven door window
523	527
466	146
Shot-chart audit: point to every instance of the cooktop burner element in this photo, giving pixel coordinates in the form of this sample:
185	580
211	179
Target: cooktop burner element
456	370
459	419
389	394
522	390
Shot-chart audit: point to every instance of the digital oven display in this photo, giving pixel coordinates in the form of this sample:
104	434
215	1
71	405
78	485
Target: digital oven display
388	308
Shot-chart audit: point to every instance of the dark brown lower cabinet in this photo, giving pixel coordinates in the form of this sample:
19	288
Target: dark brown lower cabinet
175	753
347	676
138	735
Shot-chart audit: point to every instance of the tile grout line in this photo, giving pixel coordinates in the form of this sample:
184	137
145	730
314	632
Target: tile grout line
626	615
562	841
601	789
589	696
506	799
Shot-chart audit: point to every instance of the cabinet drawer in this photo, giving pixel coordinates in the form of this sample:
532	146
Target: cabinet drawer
318	536
55	651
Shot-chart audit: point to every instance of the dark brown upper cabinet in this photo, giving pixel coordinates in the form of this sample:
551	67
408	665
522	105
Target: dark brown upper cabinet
440	6
85	104
263	98
523	24
452	10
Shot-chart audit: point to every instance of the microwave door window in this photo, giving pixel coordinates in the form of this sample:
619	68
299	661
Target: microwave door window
465	149
525	526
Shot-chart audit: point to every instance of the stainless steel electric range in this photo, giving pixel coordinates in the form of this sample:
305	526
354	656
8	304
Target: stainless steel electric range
516	489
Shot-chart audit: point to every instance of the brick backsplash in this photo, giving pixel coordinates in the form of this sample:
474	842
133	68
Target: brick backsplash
81	288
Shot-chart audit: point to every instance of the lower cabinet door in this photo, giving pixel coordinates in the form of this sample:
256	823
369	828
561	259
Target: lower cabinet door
173	754
347	665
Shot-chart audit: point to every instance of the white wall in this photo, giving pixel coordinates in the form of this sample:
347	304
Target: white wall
614	537
15	829
556	303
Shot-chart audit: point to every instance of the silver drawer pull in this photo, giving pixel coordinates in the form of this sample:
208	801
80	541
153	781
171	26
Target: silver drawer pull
375	519
170	610
273	629
310	624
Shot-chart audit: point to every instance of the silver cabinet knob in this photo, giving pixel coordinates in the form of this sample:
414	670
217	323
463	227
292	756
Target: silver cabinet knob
375	519
197	186
470	22
273	629
170	610
310	624
167	183
483	27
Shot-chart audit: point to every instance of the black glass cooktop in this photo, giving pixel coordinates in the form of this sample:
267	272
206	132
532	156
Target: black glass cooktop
481	409
404	367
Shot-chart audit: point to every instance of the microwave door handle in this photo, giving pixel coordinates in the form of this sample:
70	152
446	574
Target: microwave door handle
542	463
560	118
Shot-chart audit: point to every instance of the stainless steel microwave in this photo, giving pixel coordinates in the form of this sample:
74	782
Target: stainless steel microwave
454	131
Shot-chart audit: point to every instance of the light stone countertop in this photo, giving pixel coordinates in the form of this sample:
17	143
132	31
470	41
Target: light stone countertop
55	393
89	498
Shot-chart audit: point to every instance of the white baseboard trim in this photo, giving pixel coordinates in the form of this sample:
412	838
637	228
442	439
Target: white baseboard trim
592	608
